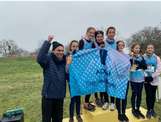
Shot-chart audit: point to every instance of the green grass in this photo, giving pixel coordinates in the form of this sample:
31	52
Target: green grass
20	85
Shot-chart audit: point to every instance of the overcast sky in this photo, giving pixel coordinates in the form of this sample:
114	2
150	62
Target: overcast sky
28	23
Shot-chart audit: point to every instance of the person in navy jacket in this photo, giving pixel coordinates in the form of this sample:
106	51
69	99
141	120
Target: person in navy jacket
54	81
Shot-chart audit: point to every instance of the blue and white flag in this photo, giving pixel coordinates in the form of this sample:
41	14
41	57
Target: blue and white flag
89	75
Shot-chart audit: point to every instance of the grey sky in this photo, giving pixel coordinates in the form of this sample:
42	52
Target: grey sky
29	22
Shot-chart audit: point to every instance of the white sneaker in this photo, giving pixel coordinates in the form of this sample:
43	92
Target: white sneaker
112	107
105	106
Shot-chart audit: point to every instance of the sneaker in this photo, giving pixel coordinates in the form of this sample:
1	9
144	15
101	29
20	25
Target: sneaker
135	113
112	107
105	106
153	113
120	118
89	107
148	114
140	114
71	120
79	119
98	102
125	118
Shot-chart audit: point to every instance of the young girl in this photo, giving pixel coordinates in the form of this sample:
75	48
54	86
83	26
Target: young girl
121	108
73	47
99	43
110	42
86	43
99	39
137	79
151	78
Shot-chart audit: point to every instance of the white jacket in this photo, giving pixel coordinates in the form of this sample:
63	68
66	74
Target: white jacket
157	73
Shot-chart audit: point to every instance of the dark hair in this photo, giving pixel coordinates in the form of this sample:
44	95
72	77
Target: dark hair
99	32
90	28
119	42
111	27
71	44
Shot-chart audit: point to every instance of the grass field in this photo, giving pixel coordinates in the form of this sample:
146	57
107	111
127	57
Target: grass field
20	85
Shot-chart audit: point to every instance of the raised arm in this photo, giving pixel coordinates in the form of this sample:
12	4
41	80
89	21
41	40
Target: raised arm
42	57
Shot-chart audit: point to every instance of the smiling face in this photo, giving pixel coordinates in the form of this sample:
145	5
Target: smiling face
111	33
150	49
90	33
136	49
120	46
74	46
59	52
99	38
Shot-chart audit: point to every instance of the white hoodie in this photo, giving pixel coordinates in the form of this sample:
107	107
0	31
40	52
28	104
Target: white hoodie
157	73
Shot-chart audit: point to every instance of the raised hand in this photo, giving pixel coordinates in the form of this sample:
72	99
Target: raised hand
50	38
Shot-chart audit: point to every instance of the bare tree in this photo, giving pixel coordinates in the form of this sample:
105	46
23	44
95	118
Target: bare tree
146	36
10	48
4	47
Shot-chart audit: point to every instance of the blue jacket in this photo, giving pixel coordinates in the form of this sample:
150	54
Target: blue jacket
54	85
151	62
85	44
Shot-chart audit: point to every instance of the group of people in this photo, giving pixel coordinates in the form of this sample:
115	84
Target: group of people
145	70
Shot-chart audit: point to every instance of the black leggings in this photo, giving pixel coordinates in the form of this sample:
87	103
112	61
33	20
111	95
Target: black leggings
52	110
75	101
136	95
112	100
104	96
121	108
87	97
150	95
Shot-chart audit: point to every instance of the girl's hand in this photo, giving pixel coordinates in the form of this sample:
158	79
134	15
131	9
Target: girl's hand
131	54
